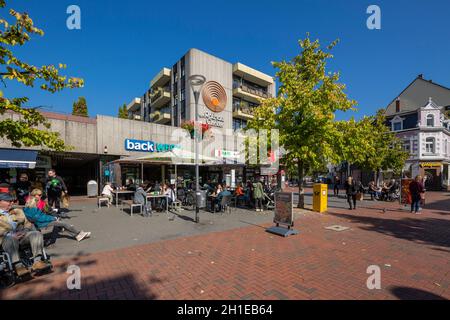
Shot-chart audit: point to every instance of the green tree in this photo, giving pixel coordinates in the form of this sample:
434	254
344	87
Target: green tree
354	141
80	108
32	129
123	113
387	149
304	109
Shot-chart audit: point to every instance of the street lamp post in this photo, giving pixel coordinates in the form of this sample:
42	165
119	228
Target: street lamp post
196	82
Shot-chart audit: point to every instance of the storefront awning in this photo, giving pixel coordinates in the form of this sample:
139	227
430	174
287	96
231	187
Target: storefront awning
15	158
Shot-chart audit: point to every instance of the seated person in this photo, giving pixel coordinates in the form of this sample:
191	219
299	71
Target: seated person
219	197
170	196
157	187
35	201
208	186
107	192
15	232
129	186
240	194
140	197
374	191
42	220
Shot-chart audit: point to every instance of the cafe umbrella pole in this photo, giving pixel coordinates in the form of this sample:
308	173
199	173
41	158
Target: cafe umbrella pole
196	82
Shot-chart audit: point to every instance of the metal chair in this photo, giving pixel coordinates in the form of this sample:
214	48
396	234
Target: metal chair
224	204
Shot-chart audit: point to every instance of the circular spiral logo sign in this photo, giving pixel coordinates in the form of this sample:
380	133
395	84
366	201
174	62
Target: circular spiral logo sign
214	96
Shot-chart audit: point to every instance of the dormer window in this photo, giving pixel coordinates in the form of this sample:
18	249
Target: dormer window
397	123
430	120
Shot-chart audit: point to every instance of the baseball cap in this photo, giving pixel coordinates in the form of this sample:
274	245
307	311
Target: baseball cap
6	196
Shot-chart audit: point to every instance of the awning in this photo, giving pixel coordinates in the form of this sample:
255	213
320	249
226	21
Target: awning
16	158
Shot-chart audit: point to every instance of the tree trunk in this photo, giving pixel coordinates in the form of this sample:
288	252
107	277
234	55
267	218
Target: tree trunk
301	194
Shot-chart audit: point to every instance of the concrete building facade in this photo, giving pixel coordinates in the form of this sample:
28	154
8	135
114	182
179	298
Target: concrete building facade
226	102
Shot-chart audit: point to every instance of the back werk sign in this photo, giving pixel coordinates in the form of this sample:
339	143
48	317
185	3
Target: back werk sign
148	146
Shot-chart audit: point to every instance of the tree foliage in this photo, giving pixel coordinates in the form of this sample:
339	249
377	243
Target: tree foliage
80	108
31	129
387	152
304	108
123	113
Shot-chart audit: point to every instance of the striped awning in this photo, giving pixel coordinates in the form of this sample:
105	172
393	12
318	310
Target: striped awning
17	158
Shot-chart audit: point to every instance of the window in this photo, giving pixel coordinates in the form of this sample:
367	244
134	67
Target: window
397	126
407	146
182	98
239	124
182	67
430	120
446	147
183	110
429	145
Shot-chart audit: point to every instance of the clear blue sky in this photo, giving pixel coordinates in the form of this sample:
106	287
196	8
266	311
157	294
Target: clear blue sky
122	45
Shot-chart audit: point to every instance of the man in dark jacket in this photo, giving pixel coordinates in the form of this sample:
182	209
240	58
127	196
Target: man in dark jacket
350	191
22	188
54	188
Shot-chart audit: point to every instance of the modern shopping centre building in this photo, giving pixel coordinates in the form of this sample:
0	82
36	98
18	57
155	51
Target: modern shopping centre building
108	148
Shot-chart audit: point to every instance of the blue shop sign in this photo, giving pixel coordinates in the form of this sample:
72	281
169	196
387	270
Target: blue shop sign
148	146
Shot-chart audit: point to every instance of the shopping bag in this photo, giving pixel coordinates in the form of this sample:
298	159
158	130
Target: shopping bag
65	200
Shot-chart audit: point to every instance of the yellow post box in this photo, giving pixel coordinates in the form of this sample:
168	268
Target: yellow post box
320	197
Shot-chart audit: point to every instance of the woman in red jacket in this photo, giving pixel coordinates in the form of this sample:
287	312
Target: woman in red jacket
416	190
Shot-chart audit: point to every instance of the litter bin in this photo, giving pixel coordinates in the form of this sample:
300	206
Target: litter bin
201	198
92	188
320	197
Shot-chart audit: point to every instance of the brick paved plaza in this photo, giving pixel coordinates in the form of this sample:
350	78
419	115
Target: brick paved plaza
413	252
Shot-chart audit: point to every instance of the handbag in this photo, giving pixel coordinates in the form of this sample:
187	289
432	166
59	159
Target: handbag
65	200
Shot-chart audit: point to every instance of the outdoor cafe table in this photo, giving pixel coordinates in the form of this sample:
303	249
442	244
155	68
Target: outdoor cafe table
119	192
154	196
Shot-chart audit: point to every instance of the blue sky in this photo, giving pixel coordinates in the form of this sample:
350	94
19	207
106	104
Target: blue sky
122	45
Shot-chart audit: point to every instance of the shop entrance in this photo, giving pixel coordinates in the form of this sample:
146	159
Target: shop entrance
76	170
432	179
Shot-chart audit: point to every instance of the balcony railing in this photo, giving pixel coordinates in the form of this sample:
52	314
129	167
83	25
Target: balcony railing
251	90
158	93
244	109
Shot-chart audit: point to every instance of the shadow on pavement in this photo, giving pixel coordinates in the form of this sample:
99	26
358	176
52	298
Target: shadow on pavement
426	231
407	293
53	286
122	287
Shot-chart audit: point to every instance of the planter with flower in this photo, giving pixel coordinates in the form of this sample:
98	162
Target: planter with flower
190	127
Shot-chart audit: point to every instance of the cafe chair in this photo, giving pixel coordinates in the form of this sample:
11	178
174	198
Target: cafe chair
224	204
101	200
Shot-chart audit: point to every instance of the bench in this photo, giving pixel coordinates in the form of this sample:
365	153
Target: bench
132	206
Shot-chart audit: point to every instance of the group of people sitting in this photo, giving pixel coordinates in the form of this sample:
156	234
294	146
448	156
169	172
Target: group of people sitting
252	195
387	190
140	193
23	226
